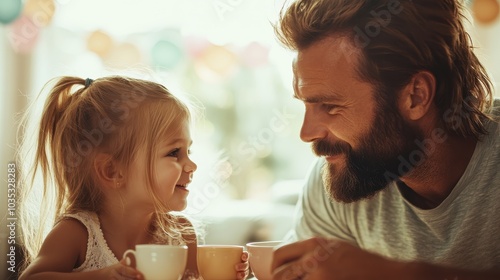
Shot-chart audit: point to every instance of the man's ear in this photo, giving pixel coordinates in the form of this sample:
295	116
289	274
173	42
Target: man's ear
108	172
417	96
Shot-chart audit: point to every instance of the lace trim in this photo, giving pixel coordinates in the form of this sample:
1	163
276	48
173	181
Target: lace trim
98	254
101	237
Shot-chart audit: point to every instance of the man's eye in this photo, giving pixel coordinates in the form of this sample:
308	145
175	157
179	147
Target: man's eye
328	107
173	153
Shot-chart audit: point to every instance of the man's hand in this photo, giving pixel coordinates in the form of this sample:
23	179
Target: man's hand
320	258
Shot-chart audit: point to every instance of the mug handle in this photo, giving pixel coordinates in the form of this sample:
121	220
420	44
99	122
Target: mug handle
128	260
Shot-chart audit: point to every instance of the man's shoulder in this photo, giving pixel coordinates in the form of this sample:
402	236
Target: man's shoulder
494	124
495	109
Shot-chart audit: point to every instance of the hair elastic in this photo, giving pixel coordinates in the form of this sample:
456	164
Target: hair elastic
88	82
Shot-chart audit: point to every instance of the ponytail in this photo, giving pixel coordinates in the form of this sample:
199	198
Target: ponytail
57	112
44	181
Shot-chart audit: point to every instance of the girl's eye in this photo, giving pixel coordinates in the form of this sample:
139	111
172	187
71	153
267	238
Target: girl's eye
174	153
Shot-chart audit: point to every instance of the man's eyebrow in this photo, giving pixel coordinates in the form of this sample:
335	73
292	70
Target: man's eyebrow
318	98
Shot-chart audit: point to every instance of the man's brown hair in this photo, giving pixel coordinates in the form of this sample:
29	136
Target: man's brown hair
397	39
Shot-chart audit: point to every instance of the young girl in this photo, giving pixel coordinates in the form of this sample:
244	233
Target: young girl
117	150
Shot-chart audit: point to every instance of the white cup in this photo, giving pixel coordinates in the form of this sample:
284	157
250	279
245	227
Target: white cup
260	257
216	262
159	262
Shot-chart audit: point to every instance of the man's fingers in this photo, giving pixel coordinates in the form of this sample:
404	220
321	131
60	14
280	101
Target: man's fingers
289	271
292	252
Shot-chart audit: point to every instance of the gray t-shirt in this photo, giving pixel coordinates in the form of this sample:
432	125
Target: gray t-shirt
463	231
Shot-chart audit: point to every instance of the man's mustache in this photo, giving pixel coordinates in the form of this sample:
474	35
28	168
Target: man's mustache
324	148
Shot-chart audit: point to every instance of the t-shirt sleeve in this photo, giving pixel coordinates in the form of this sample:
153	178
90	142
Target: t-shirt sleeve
316	214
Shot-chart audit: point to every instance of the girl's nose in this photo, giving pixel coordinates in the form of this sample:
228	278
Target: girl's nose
190	167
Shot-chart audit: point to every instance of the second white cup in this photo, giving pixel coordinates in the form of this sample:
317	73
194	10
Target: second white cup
261	257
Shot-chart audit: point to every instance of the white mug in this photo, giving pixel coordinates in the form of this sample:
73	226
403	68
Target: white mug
261	257
159	262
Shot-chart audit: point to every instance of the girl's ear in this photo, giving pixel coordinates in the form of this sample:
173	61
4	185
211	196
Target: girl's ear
108	172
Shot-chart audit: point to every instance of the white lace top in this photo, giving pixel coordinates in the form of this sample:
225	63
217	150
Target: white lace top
98	253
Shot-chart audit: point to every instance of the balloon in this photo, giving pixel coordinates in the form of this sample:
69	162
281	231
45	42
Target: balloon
9	10
486	11
123	56
195	45
215	63
255	55
166	54
99	43
23	34
40	11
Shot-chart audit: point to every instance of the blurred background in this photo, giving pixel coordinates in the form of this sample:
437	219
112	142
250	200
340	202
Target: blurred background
219	53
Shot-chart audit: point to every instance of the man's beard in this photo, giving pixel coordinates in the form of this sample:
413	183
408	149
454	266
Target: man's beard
371	167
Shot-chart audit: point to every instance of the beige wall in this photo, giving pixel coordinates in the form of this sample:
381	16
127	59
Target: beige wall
14	79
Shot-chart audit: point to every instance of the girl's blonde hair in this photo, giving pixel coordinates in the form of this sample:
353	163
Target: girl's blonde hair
113	115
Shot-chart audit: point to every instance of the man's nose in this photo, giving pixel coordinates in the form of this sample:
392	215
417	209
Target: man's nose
312	128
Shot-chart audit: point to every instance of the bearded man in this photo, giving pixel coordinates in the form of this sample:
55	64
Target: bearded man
400	111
